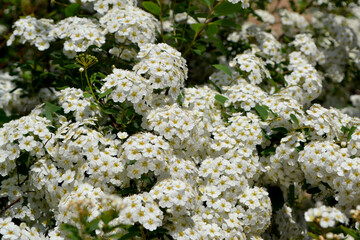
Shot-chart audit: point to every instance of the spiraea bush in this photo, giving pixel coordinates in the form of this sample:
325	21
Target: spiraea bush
125	119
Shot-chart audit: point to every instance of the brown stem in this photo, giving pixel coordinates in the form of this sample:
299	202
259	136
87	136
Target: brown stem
10	205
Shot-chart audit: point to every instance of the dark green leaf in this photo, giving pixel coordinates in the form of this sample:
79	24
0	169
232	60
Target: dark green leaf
92	225
107	216
268	151
228	8
313	236
152	7
220	98
127	191
211	29
294	119
216	86
69	228
344	129
49	109
130	235
3	117
72	10
263	113
227	23
280	129
314	228
223	68
87	95
107	92
265	135
351	132
208	3
352	232
93	78
197	27
101	75
219	44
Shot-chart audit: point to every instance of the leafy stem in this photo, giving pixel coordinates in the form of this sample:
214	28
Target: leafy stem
206	23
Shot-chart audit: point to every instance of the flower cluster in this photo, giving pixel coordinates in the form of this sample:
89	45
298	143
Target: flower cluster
130	23
163	66
252	65
25	135
327	217
34	31
245	156
127	86
145	152
79	34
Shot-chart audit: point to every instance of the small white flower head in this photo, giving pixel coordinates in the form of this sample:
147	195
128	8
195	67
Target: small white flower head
122	135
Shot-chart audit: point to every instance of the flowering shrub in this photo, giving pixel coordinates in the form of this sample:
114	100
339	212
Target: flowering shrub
179	119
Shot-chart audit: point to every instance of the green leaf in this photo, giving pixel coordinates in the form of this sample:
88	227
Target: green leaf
74	231
294	119
263	113
268	151
351	132
92	226
313	236
127	191
107	216
107	92
130	235
228	8
152	7
352	232
49	109
216	86
219	44
72	10
223	68
197	27
208	3
93	78
87	95
220	98
227	23
211	29
280	129
3	117
314	228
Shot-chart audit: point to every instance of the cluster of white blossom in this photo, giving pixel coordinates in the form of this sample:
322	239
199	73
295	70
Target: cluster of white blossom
163	66
326	217
128	86
27	134
130	23
292	22
72	100
34	31
79	34
201	168
252	65
103	6
12	99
